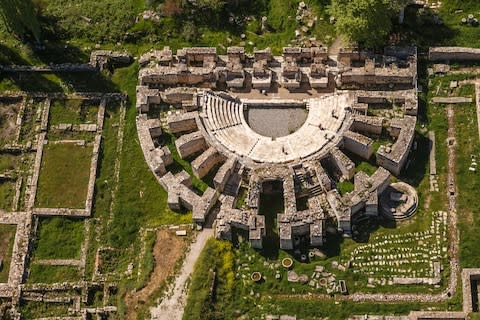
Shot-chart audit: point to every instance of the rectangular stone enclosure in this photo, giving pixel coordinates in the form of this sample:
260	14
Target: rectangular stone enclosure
64	176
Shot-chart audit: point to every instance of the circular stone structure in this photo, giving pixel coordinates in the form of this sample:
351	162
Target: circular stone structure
223	119
256	276
399	201
287	263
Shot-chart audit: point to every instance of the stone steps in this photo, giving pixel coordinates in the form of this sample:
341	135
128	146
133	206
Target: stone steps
221	113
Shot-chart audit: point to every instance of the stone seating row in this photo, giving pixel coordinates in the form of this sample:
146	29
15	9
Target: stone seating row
323	116
236	139
221	113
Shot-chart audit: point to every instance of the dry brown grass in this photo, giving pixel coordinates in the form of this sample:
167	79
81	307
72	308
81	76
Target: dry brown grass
167	250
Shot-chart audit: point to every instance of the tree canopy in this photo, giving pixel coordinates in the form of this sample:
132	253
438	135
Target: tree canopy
365	21
20	17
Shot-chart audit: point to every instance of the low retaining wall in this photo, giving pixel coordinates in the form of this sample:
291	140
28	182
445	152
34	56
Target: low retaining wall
453	54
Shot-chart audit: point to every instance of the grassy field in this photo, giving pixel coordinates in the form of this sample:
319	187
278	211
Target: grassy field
53	274
59	238
7	238
74	111
32	309
217	256
232	298
64	175
467	182
7	193
8	162
420	28
140	201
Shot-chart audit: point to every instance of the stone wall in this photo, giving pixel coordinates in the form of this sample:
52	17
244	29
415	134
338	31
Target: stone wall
368	124
101	59
190	143
358	144
145	97
224	173
470	276
184	122
157	158
202	165
453	54
343	163
180	195
393	158
178	95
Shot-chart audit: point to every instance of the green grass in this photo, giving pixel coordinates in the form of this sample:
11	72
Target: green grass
64	176
468	183
217	256
7	239
59	238
7	193
345	187
467	144
241	198
105	178
236	295
140	200
27	131
419	28
8	162
463	35
180	164
33	309
74	111
53	274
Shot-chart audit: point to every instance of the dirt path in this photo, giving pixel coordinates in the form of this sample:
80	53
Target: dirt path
8	119
167	250
334	49
171	307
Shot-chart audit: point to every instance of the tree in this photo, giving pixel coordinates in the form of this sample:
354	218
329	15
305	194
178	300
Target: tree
20	17
214	5
366	21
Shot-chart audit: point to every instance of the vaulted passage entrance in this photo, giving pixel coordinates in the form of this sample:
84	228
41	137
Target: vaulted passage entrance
271	204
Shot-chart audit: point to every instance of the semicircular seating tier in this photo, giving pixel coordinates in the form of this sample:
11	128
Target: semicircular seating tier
224	120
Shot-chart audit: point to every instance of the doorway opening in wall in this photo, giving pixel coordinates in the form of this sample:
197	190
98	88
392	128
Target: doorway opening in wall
474	284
